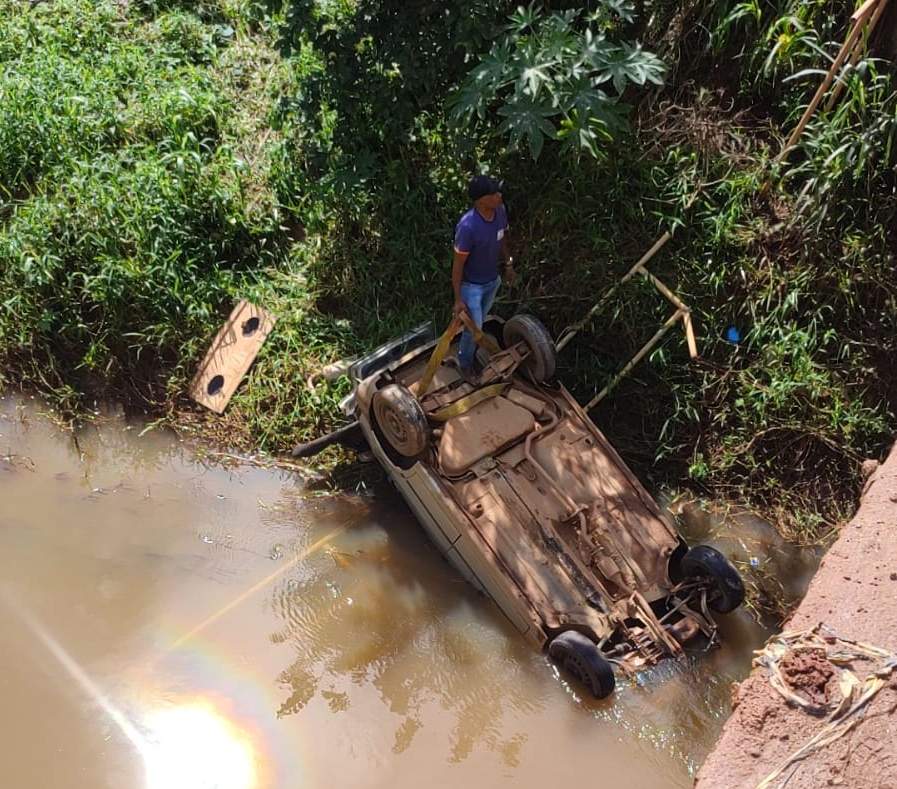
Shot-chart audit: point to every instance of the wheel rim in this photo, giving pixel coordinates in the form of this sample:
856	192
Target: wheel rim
395	428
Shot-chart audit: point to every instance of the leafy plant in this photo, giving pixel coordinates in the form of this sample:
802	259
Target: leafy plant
556	76
160	158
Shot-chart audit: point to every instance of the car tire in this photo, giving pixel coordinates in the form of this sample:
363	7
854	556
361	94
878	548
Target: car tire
580	657
727	593
542	359
401	420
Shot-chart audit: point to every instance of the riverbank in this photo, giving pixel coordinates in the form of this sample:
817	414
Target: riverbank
853	595
160	160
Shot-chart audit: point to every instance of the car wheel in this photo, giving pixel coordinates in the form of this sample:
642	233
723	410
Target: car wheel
401	419
542	359
580	657
727	592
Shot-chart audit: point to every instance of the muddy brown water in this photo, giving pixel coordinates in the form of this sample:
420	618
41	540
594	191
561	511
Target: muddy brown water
169	624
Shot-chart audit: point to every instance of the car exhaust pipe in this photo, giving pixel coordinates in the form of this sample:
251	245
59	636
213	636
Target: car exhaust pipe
348	436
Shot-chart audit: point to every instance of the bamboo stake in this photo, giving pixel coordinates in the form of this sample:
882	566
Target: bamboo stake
690	335
859	18
572	331
858	48
635	359
671	297
648	255
682	307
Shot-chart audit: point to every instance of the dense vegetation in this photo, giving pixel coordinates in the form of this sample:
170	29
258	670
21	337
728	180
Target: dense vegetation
159	159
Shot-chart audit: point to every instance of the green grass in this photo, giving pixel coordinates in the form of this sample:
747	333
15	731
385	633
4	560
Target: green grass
160	160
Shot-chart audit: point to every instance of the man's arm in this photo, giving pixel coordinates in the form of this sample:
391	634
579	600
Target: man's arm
457	276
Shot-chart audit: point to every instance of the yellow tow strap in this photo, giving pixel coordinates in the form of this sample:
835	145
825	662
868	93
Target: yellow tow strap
463	405
479	337
439	352
442	348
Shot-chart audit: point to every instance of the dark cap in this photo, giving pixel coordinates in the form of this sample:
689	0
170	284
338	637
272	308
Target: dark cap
482	185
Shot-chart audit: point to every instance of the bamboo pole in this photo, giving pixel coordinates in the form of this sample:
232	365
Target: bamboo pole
671	297
858	48
572	331
690	335
859	18
643	351
682	307
655	248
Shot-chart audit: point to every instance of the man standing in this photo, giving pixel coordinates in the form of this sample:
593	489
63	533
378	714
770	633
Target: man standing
481	240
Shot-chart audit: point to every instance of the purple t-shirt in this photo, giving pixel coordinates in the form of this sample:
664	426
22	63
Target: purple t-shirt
482	240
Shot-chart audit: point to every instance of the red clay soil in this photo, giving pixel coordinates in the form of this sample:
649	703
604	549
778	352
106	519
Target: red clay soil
808	674
854	593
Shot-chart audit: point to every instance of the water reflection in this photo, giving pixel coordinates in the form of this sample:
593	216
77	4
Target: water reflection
188	746
381	609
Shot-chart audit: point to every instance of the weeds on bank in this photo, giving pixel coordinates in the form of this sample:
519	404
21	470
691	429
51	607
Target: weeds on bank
134	200
159	160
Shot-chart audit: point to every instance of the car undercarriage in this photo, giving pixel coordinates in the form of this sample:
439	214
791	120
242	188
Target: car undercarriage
526	496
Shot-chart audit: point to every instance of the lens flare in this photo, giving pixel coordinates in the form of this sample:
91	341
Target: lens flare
194	747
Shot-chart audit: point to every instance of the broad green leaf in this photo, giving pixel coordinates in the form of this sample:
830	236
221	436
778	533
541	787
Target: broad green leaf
593	52
524	118
479	88
590	103
625	9
578	133
492	73
524	19
466	102
629	63
534	69
550	64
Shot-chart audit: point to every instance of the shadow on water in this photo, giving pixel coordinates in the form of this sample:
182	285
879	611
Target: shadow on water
385	610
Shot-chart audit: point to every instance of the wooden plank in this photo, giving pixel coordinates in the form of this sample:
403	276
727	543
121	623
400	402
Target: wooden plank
230	356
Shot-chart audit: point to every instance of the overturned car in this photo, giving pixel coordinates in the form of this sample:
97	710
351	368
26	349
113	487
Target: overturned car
525	496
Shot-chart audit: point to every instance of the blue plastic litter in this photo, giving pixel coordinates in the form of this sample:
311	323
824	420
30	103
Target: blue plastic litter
733	335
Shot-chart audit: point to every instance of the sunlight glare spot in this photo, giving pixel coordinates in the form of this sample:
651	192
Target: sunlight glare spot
193	747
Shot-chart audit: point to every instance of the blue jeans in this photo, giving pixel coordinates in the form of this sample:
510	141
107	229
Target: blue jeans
478	298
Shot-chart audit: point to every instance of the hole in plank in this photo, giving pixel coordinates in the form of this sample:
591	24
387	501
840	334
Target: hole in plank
250	327
215	385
